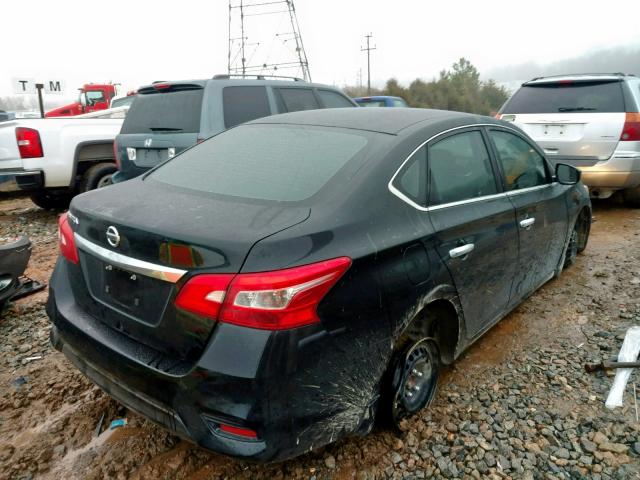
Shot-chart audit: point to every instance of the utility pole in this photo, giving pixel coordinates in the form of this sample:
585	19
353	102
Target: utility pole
368	50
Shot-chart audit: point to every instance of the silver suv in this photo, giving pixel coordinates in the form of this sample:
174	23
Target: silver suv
591	121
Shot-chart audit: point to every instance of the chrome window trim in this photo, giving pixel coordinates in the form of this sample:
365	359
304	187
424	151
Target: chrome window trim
160	272
394	190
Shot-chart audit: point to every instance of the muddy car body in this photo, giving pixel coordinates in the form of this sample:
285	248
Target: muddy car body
294	299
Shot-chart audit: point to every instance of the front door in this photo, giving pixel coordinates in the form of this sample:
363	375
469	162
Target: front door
541	210
474	221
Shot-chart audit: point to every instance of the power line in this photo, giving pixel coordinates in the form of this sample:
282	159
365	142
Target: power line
368	50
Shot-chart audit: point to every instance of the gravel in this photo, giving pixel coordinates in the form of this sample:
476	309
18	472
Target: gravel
519	404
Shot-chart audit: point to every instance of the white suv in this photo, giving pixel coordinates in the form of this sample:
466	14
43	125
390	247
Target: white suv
591	121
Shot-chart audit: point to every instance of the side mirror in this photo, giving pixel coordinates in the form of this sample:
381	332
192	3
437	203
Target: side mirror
567	174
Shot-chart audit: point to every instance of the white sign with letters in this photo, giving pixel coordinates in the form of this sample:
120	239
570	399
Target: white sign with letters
28	85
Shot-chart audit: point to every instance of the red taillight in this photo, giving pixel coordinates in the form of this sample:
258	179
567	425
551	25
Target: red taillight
240	432
162	86
115	155
631	128
267	300
204	294
28	142
66	242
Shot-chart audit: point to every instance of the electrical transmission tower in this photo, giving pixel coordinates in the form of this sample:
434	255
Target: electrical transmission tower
256	44
368	50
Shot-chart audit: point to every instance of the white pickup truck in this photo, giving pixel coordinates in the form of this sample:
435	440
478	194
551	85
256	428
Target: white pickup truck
56	158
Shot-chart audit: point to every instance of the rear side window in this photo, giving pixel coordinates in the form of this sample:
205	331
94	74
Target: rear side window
296	99
398	102
333	100
460	169
567	97
412	178
265	162
522	166
242	104
177	111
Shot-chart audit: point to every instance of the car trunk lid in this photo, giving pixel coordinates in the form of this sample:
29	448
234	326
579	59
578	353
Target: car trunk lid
155	246
579	138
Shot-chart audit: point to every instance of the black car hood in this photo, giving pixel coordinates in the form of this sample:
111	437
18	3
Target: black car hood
178	227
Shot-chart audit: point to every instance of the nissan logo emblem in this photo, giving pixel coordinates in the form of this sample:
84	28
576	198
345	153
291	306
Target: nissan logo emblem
113	237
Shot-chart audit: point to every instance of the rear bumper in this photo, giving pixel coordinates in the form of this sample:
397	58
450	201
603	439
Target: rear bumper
270	382
620	171
20	180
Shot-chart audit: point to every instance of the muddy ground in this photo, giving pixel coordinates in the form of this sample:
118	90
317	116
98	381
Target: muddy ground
517	405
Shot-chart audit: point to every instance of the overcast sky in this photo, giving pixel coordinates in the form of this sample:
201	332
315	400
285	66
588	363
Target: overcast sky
135	42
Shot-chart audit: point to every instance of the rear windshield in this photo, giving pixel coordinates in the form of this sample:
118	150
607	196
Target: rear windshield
567	97
177	112
372	103
266	162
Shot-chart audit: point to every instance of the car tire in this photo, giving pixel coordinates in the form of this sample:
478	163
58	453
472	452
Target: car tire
584	229
411	382
51	201
98	176
632	196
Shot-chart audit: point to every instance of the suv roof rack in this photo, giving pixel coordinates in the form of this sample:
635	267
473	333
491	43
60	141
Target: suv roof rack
227	76
620	74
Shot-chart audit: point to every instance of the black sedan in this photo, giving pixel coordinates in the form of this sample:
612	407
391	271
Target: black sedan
288	281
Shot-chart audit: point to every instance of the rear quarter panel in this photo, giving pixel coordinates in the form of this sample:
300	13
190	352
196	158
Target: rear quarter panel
60	137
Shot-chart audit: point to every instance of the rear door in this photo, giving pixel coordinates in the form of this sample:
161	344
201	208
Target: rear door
541	210
575	121
475	227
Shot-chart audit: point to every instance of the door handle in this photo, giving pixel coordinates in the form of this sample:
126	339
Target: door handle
527	223
461	251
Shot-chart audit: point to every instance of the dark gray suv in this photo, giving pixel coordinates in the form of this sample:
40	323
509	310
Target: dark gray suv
169	117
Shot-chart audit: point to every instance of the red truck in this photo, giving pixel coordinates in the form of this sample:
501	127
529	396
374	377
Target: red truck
93	96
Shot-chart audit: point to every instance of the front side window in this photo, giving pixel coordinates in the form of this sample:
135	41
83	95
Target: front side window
95	96
460	169
296	99
242	104
522	165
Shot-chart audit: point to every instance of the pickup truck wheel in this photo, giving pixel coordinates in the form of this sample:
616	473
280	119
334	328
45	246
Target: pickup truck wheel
632	196
51	201
97	176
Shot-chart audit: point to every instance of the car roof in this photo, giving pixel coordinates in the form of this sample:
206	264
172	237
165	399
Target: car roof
382	120
377	97
583	77
241	81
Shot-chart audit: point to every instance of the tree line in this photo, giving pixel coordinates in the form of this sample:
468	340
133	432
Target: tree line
459	89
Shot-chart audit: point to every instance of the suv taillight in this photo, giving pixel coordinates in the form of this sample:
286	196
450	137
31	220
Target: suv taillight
631	129
66	241
28	142
274	300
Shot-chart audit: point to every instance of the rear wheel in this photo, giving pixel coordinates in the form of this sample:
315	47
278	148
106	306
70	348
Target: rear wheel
412	380
632	196
50	200
97	176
